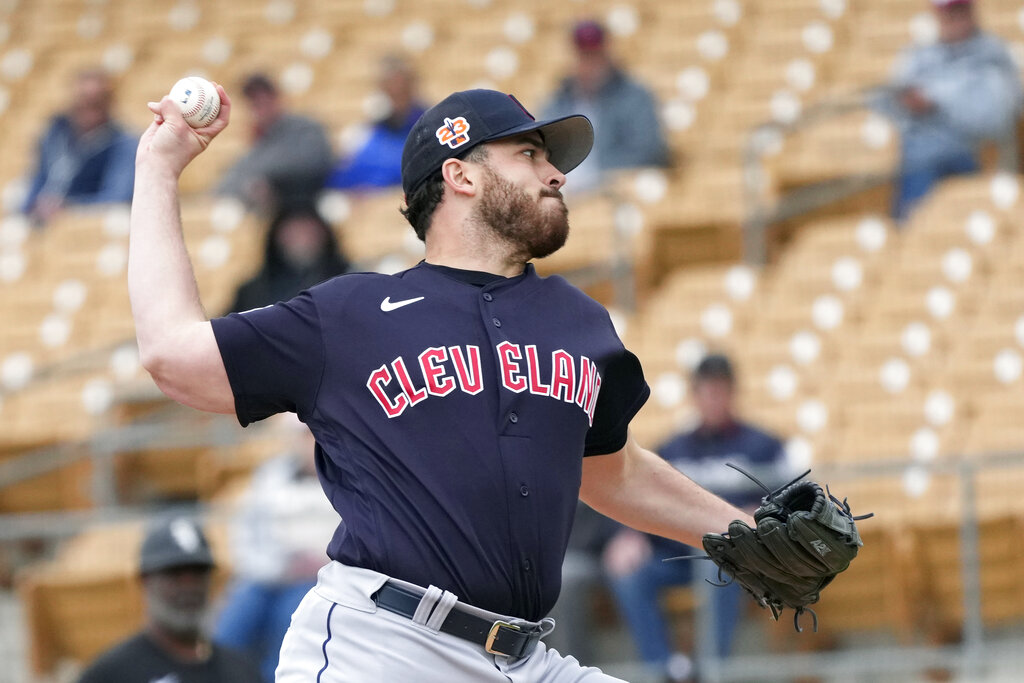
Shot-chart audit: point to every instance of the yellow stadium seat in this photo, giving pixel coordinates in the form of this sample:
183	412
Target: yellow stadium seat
996	427
877	592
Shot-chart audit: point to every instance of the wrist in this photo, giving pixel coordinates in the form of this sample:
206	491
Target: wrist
152	170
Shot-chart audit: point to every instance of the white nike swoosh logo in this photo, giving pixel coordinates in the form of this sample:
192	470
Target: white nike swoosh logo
388	305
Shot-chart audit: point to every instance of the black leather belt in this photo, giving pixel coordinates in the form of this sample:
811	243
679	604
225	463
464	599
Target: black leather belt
496	637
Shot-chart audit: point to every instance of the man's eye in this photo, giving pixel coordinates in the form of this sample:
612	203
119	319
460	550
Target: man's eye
530	152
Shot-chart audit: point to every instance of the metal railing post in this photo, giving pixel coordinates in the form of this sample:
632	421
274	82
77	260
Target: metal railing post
104	486
622	270
705	635
970	568
755	222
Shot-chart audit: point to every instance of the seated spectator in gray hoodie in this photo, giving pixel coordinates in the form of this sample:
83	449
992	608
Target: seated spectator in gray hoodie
946	99
627	131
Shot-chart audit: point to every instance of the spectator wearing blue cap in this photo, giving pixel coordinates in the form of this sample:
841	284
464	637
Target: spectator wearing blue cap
627	130
175	565
948	98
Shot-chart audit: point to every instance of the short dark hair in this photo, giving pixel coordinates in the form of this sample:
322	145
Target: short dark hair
421	204
714	366
256	84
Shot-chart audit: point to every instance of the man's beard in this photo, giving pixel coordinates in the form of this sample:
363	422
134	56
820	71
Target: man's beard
531	229
184	621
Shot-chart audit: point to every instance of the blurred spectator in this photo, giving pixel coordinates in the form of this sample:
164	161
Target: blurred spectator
290	155
301	251
947	98
175	565
627	132
378	163
279	542
85	156
634	562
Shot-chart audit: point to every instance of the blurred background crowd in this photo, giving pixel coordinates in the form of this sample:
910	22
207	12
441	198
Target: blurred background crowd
804	215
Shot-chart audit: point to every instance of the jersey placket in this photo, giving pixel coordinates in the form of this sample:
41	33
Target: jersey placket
513	424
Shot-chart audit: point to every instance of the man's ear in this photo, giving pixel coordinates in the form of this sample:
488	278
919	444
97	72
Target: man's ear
460	177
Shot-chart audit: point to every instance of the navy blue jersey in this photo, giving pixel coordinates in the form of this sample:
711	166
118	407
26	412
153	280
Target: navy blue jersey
701	454
451	412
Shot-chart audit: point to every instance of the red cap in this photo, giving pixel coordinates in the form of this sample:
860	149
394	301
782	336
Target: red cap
588	35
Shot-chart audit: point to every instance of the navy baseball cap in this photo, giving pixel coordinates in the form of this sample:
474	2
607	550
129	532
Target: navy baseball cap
463	120
172	543
714	366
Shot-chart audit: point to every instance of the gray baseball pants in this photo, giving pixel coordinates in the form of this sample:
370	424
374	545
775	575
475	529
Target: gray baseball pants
338	635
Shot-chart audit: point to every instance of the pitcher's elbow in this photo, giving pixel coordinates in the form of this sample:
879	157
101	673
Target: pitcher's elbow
150	358
161	369
158	361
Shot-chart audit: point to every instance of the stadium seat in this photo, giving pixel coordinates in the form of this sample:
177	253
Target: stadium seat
877	592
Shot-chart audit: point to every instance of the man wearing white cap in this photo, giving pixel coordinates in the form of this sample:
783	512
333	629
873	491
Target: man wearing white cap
947	98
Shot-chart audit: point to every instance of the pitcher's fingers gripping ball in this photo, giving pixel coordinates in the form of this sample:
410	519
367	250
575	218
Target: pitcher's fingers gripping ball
197	99
804	537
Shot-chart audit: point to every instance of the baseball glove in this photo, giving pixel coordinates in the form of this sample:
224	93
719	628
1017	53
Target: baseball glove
804	537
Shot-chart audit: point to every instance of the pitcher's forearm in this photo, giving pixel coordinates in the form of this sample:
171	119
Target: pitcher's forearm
161	283
663	501
640	490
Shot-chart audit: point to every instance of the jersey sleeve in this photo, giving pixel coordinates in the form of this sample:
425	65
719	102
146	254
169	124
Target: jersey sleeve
274	357
623	392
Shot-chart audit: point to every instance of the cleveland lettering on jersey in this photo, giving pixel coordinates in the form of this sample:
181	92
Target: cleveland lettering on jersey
441	370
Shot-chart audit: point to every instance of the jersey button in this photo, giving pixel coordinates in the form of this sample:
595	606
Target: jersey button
488	297
497	323
527	565
513	417
524	491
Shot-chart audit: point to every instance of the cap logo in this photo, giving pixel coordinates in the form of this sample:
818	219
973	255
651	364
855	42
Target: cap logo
185	535
454	132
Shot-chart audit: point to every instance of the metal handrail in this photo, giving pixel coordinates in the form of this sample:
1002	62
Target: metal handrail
759	214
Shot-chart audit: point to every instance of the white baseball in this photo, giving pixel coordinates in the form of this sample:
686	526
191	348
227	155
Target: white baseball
197	99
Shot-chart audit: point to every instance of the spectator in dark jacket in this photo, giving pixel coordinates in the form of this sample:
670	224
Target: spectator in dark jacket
85	156
176	570
301	251
634	561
